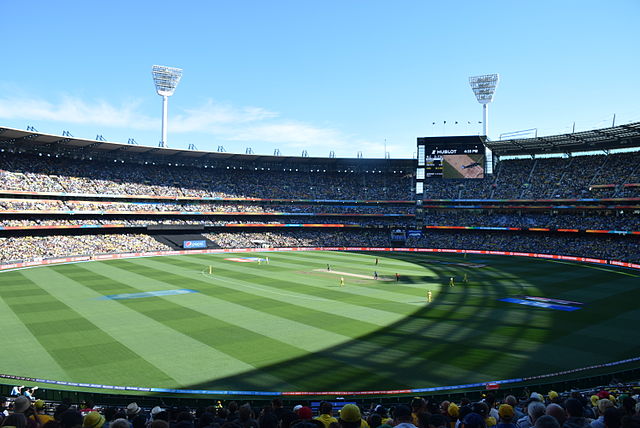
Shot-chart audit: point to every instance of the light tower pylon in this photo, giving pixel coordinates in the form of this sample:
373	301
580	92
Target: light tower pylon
484	87
166	80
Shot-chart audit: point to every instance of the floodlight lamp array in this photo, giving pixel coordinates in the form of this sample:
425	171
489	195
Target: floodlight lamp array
484	87
166	79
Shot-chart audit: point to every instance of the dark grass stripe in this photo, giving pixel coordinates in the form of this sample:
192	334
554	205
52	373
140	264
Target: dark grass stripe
76	344
228	338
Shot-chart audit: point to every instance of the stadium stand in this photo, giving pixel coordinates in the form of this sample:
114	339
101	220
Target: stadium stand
50	191
69	187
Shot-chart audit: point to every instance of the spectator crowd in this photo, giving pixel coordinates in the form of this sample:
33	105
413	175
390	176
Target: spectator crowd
530	178
615	408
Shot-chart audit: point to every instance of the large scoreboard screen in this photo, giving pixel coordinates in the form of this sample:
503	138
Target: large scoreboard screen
451	157
448	157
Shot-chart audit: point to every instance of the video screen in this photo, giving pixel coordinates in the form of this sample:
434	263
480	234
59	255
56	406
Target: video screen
463	166
451	157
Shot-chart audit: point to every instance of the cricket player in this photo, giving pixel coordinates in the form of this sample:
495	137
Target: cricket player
342	281
452	282
429	296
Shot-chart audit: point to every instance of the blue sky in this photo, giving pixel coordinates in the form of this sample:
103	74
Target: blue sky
330	75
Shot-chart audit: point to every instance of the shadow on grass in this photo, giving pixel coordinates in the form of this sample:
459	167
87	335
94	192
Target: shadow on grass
439	344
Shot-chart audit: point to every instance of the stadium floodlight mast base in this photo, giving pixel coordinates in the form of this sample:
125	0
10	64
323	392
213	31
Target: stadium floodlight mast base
166	80
484	87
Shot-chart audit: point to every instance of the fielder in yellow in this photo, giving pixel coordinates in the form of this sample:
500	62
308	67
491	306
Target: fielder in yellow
452	282
342	281
429	296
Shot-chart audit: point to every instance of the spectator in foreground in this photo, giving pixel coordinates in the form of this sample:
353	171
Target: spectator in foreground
557	412
546	421
403	417
326	416
350	416
506	415
575	412
93	420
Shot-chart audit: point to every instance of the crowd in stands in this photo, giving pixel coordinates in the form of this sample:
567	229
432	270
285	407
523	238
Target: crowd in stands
529	178
206	221
609	221
612	408
38	247
80	206
622	248
51	174
302	238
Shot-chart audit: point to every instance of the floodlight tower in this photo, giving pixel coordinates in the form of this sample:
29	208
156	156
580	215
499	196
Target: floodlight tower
484	88
166	80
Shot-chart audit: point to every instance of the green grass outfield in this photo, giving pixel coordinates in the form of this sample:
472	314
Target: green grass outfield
289	326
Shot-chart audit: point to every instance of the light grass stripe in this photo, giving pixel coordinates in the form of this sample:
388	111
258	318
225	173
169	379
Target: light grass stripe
171	352
319	259
388	355
16	338
322	280
330	306
302	336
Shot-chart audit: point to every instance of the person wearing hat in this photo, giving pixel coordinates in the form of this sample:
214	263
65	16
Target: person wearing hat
506	415
350	417
325	414
133	410
473	420
513	402
40	415
453	411
23	405
93	420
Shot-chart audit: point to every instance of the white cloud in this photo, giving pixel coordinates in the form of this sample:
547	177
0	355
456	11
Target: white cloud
253	125
75	111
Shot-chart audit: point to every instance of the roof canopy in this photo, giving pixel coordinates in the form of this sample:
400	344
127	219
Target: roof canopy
617	137
31	141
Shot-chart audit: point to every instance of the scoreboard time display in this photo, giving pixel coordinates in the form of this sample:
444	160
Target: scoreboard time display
449	158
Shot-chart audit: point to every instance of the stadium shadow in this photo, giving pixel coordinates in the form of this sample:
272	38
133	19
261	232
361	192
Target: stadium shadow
464	336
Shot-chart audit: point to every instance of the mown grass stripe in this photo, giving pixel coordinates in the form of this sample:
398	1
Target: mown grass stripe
325	297
28	357
225	308
80	353
267	334
160	350
359	292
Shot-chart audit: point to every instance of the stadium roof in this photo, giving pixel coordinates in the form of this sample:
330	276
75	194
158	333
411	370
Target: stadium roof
617	137
33	141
